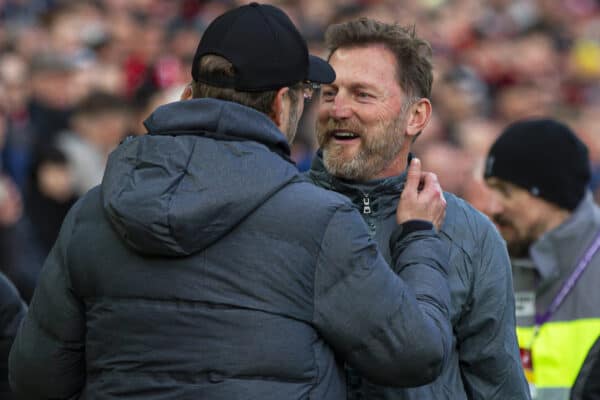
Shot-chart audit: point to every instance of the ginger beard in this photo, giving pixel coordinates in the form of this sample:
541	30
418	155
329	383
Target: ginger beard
376	150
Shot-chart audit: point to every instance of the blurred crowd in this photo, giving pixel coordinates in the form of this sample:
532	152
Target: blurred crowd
78	76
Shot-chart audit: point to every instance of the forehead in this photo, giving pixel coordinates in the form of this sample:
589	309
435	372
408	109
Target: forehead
371	64
502	185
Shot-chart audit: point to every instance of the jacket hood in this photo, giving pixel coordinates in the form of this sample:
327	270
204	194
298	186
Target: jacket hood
202	168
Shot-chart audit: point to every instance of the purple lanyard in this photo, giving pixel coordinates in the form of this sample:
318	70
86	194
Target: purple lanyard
566	288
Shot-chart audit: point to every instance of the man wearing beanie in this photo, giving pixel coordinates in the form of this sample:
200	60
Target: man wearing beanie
539	172
206	267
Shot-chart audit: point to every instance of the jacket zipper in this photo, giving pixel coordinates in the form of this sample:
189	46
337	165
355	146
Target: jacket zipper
366	211
366	204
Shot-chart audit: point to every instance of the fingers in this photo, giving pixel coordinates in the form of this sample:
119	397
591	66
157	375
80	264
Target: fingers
431	187
422	197
413	177
438	221
434	195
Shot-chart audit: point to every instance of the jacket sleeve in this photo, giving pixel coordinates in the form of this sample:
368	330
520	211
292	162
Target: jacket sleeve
47	359
390	333
486	334
587	384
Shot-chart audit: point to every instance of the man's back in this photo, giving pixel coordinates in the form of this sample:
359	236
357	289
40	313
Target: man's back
233	320
204	267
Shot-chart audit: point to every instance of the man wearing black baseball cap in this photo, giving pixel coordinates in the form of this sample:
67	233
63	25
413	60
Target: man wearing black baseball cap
206	267
539	171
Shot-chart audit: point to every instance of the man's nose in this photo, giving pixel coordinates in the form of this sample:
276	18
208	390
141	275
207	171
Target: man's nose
494	204
341	108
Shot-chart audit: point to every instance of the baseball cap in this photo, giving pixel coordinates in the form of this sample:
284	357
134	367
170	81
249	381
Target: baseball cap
265	48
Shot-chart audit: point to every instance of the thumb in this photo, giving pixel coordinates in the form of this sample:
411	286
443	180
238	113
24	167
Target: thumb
413	176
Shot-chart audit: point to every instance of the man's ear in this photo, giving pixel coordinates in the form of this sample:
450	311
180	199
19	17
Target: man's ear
278	109
419	115
187	93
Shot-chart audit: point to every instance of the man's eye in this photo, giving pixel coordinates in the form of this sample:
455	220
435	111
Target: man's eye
364	95
506	192
328	94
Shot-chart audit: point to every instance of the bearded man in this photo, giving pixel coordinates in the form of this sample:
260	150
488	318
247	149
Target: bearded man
368	119
544	209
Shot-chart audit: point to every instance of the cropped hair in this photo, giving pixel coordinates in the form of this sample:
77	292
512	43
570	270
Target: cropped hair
99	102
214	65
413	54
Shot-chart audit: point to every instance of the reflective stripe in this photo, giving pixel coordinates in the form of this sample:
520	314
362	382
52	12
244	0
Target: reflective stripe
559	350
552	394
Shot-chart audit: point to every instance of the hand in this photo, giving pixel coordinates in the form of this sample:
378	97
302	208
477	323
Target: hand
422	197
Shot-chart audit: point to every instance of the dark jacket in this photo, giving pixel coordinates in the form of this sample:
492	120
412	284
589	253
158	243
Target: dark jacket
587	385
12	311
205	267
485	362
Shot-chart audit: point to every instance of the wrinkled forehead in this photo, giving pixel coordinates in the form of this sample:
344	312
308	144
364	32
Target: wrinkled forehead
369	63
356	52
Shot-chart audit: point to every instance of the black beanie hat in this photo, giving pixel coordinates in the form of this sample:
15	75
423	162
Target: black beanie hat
544	157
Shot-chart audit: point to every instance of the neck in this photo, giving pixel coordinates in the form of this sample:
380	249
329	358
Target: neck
554	220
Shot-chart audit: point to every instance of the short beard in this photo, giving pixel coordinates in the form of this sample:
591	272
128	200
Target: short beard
519	246
376	151
519	249
294	119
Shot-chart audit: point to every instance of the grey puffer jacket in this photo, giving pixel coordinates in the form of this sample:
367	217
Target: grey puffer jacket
485	362
206	267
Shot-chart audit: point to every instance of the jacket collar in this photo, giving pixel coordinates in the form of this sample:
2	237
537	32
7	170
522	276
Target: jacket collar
556	252
217	119
382	193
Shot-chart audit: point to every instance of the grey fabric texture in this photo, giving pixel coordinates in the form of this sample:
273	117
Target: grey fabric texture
554	256
206	267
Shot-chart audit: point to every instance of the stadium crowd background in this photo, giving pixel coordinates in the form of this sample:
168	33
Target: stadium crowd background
77	76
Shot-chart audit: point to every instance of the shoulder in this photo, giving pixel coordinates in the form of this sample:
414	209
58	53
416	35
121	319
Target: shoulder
87	205
478	252
305	193
467	226
308	211
12	308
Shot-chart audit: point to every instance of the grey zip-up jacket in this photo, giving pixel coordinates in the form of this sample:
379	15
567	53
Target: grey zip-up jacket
206	267
485	362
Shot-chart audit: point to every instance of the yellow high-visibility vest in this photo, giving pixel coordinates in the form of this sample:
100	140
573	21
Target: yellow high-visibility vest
558	351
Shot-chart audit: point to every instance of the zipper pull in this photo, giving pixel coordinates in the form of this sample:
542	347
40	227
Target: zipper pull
366	205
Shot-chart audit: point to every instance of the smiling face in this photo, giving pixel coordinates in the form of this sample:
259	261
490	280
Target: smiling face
361	124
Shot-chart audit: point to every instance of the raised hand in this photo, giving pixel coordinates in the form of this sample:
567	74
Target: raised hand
422	197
